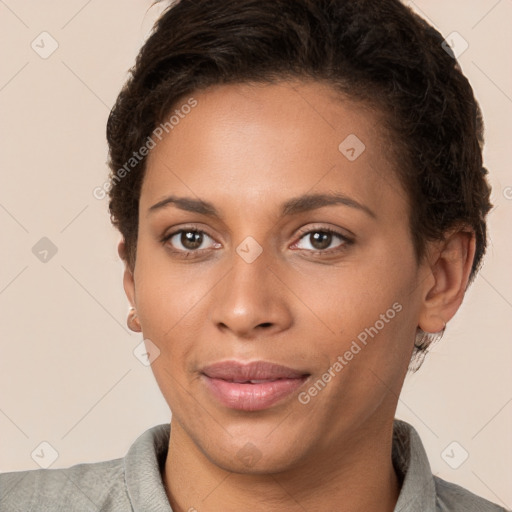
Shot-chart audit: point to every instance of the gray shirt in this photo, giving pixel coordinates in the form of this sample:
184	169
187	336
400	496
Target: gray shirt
134	483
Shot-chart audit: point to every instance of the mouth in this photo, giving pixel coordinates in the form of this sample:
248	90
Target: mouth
251	387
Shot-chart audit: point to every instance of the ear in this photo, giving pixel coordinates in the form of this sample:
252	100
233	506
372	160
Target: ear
128	280
450	264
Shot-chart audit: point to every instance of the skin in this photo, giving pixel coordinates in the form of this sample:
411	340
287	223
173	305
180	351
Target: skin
247	149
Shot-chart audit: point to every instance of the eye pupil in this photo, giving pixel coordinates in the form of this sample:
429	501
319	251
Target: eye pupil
321	240
191	239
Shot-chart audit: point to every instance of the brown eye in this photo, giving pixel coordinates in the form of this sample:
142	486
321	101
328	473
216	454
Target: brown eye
188	240
322	240
191	239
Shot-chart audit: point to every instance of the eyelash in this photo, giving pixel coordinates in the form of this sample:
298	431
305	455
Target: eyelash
185	254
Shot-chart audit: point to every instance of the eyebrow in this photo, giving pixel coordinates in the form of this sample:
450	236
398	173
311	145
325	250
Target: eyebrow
293	206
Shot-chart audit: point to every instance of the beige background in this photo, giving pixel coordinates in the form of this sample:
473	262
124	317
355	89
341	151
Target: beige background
67	372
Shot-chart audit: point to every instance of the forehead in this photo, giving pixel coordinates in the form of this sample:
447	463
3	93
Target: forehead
253	145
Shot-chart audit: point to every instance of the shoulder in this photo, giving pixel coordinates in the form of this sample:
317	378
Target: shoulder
451	497
93	486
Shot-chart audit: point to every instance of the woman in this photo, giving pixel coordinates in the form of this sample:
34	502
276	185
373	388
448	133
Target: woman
300	191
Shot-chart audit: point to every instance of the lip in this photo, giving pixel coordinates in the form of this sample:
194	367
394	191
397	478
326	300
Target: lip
229	382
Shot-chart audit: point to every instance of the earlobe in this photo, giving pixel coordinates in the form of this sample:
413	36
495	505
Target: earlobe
450	268
132	321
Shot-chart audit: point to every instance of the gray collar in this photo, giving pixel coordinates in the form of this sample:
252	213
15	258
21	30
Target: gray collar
411	462
143	466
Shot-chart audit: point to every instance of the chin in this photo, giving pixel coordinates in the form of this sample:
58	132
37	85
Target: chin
249	458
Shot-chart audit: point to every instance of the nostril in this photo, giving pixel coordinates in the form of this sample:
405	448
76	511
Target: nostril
265	324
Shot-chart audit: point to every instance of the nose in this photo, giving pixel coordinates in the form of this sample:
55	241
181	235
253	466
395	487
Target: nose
252	300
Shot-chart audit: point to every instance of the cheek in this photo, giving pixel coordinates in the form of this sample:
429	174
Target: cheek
350	297
166	292
369	310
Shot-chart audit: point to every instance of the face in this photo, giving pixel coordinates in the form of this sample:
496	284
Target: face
276	275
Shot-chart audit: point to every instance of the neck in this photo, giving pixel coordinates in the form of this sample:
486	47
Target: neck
355	477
